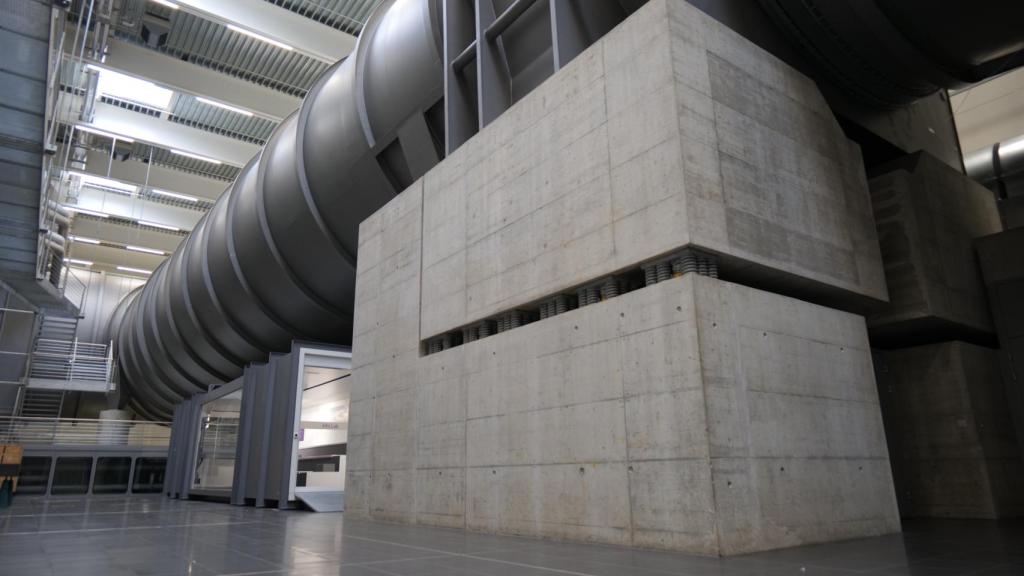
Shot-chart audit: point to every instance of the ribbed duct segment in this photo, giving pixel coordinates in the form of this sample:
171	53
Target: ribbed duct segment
274	259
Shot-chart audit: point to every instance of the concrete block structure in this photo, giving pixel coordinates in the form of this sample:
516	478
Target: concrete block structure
670	131
928	216
692	414
951	437
1003	271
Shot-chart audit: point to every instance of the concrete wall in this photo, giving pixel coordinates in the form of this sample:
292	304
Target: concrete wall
1003	269
928	216
694	414
954	450
671	130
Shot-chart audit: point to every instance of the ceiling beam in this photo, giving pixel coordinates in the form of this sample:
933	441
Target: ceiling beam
119	233
990	112
181	76
304	35
159	132
137	208
134	172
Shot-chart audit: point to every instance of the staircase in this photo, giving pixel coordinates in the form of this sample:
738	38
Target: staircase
55	343
60	361
60	328
40	403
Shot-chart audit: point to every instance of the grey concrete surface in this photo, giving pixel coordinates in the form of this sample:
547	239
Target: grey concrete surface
695	414
1002	267
928	216
952	441
670	131
155	536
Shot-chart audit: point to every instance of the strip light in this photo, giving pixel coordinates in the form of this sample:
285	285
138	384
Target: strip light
84	240
157	225
89	212
259	37
136	270
90	130
170	5
144	249
79	262
224	106
174	195
107	183
195	156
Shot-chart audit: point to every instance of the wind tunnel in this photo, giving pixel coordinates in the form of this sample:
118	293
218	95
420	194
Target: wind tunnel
274	260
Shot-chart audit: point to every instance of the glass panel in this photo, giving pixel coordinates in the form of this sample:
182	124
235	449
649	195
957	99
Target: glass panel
112	475
71	475
149	475
218	436
35	472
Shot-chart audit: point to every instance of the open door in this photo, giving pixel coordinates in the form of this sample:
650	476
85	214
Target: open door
321	435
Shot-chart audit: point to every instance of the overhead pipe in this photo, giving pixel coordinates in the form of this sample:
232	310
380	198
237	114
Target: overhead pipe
1000	166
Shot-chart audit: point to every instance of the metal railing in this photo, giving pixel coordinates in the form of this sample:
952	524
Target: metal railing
83	432
71	286
71	360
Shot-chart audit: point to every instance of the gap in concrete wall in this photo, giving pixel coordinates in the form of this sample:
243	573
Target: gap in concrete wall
593	291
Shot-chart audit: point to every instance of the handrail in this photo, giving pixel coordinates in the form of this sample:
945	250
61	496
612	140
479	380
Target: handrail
72	360
82	432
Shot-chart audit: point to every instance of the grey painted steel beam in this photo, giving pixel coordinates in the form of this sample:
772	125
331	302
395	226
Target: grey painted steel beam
279	24
493	84
182	76
461	121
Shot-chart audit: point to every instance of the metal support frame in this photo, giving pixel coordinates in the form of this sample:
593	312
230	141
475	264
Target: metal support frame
568	35
493	80
461	121
470	106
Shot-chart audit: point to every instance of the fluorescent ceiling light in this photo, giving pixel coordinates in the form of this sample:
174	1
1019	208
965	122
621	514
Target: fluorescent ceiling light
132	89
107	183
170	5
195	156
146	250
156	225
84	240
136	270
259	37
79	262
89	212
174	195
224	106
91	130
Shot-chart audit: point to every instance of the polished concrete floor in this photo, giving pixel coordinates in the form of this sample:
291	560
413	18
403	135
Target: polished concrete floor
118	536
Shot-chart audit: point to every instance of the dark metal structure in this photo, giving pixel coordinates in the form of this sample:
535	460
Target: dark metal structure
274	260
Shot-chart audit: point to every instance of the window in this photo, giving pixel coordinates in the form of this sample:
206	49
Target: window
71	475
149	475
112	475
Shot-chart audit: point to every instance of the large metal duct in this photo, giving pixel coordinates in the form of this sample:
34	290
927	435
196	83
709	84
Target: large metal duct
1000	167
274	259
889	53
